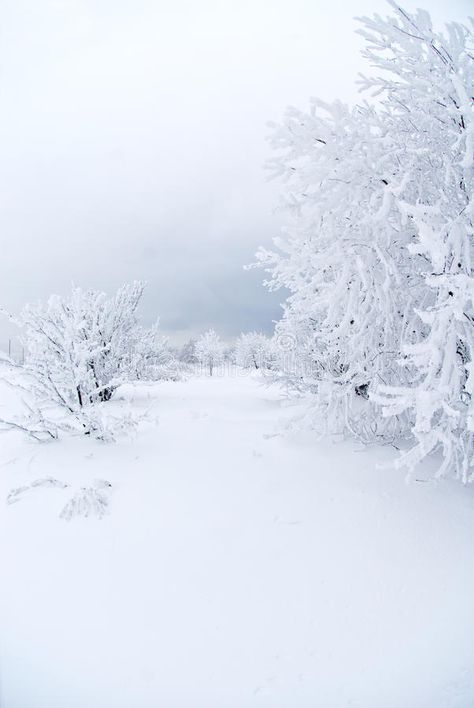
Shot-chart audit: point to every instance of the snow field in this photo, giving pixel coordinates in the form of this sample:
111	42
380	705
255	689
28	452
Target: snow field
237	567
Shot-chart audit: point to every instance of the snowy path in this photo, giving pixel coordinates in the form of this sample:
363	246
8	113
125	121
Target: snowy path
236	568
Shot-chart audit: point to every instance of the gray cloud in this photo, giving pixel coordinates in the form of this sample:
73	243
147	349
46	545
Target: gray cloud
132	139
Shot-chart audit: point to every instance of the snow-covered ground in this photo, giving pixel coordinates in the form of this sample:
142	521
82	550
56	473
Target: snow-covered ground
237	567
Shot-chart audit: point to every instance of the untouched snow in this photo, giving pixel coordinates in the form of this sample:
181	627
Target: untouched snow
237	567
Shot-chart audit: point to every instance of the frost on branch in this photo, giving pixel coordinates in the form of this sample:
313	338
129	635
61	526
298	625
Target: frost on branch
377	250
15	495
78	351
86	502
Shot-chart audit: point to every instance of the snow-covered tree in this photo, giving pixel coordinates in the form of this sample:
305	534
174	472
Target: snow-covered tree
344	261
377	253
427	89
78	351
254	351
152	356
209	350
186	354
229	354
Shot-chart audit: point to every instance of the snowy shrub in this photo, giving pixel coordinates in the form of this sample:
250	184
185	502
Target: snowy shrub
88	501
377	252
78	351
209	350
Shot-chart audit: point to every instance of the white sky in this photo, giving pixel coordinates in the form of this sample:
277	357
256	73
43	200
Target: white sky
132	142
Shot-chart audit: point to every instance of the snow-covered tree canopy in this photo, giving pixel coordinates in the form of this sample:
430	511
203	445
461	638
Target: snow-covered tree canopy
209	350
377	254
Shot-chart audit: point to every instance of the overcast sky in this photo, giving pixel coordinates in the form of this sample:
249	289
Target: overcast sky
132	143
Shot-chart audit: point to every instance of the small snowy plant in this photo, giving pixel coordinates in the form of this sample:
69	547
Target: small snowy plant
91	501
378	248
78	351
209	350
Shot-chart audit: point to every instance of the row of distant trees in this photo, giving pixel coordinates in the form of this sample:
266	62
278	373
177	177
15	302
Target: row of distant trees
252	350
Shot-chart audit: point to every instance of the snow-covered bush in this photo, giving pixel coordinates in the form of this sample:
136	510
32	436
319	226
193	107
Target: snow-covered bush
209	350
254	351
78	351
377	253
